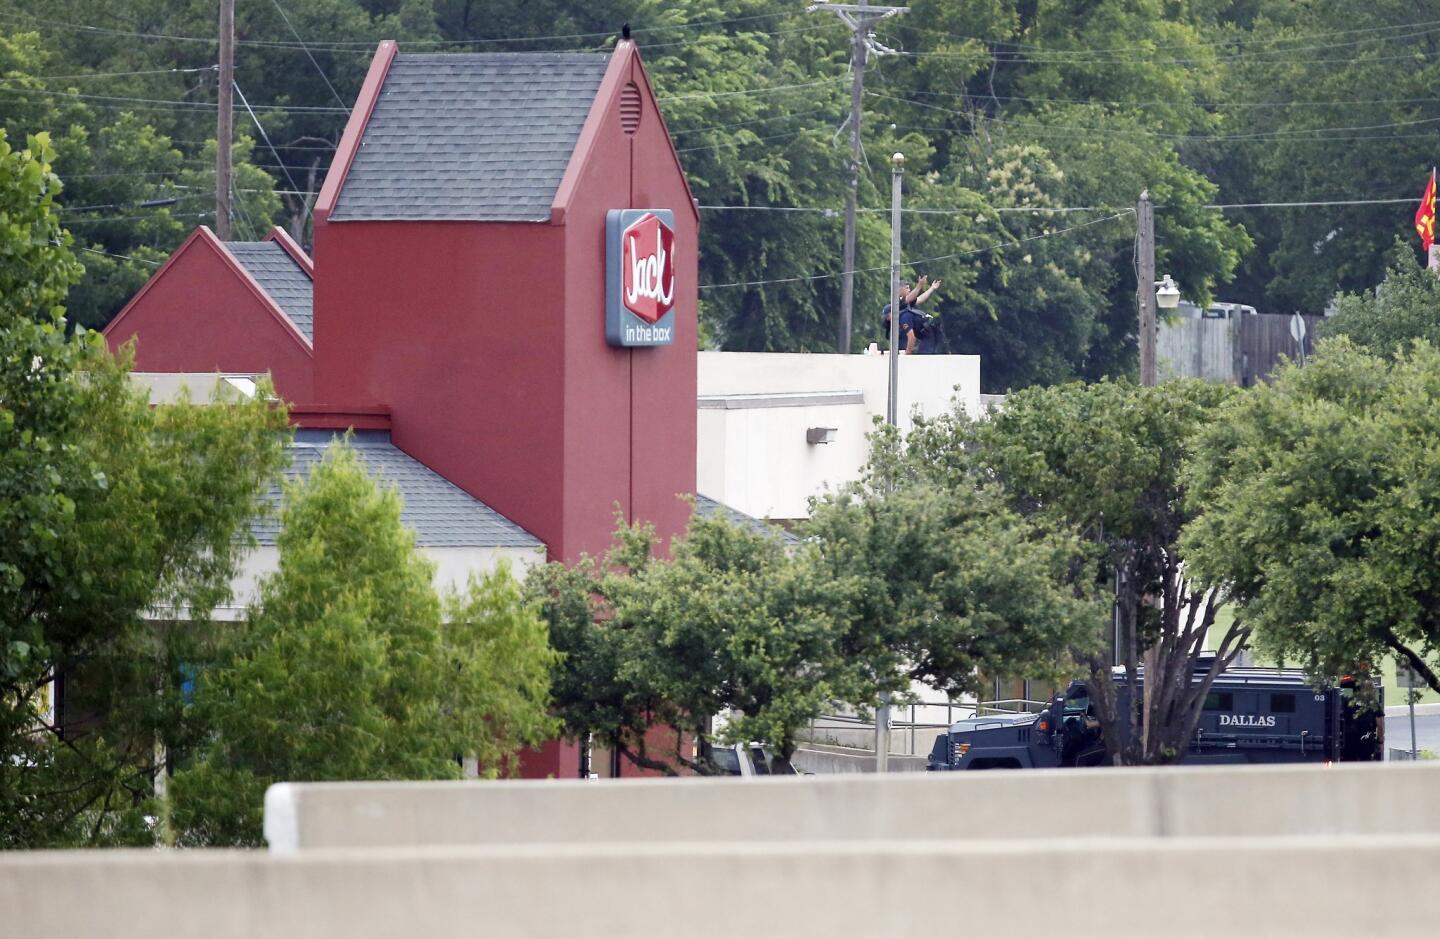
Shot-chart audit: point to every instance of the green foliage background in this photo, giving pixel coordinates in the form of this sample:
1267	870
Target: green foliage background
1008	111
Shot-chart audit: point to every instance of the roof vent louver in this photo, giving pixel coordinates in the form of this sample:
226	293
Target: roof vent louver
630	108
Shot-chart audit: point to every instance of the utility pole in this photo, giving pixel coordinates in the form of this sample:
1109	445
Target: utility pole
892	413
224	131
1145	284
860	17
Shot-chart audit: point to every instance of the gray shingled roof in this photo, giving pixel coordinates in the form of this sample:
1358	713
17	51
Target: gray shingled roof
441	514
481	137
706	506
286	282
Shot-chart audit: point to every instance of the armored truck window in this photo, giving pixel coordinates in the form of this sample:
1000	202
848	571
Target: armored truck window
1282	704
1220	701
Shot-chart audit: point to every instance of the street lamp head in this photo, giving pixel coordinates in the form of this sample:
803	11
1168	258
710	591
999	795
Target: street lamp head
898	161
1167	296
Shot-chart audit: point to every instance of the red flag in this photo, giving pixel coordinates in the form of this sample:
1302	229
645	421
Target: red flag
1425	215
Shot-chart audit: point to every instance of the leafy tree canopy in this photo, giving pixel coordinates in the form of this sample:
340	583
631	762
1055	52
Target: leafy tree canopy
351	666
1386	320
1098	467
1317	498
110	510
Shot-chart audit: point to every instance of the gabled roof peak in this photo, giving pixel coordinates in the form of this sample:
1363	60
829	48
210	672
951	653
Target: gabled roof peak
470	136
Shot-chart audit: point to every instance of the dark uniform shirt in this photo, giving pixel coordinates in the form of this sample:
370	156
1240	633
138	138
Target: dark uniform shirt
911	320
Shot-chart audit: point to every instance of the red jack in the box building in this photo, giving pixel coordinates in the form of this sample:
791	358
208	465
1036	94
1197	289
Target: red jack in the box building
468	253
461	240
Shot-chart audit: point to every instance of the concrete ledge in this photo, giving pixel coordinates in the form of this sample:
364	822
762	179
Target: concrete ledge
827	760
1073	888
1363	799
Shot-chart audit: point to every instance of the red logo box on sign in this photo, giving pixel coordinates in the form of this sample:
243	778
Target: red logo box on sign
647	266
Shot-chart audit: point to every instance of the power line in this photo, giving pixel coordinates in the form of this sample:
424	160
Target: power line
758	120
1035	210
367	46
942	257
1119	61
1296	205
110	254
323	77
1085	56
767	89
84	75
1130	132
1218	105
652	46
132	218
174	104
738	143
261	127
1060	210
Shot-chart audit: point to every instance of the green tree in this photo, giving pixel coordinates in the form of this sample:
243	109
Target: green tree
1101	463
1318	504
945	585
731	626
111	512
351	666
1387	320
1325	101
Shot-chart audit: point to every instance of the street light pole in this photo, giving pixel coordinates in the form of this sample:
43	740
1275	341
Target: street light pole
897	171
1145	284
892	405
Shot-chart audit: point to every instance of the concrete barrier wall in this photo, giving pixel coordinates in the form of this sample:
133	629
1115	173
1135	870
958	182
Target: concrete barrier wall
1368	799
1149	887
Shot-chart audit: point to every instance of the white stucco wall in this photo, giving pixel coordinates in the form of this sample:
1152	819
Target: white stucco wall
755	408
453	566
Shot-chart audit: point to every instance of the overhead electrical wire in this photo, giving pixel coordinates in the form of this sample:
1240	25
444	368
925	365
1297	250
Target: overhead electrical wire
323	77
123	257
367	46
85	75
915	263
1217	105
1132	132
1307	60
764	89
740	143
1128	53
173	104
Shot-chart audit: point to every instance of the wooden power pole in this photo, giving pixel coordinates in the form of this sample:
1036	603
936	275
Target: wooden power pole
860	17
1145	284
224	130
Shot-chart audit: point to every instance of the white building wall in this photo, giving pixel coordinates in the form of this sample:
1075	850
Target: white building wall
755	408
453	567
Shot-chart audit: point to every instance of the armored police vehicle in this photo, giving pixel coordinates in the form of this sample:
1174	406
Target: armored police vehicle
1251	715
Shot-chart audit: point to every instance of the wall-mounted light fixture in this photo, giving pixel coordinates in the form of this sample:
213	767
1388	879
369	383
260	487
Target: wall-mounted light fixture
814	435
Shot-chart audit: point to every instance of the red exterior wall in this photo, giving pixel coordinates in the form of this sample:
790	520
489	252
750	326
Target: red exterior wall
644	397
202	313
456	327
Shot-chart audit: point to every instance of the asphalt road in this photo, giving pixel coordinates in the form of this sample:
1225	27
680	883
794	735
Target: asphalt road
1427	728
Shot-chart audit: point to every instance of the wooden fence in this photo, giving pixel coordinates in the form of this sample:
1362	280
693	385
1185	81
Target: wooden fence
1242	349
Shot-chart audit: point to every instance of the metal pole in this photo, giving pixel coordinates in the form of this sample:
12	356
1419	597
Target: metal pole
1145	286
1414	751
224	131
897	171
858	55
